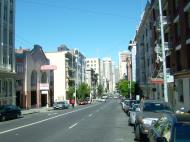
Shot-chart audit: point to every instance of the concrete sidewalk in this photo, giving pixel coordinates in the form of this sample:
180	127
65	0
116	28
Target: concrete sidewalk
36	110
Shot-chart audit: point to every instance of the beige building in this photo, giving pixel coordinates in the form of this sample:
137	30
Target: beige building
29	77
7	57
124	65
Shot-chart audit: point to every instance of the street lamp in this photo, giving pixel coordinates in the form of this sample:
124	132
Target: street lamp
163	53
76	82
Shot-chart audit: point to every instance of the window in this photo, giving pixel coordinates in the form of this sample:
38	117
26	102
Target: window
180	90
188	19
10	88
0	86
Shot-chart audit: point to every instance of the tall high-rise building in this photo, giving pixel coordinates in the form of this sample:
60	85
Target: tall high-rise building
94	63
7	55
107	73
124	61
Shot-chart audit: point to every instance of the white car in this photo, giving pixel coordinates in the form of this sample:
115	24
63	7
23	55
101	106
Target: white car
132	114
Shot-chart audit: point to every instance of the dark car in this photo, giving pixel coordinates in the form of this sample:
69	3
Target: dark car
171	128
149	111
61	105
9	112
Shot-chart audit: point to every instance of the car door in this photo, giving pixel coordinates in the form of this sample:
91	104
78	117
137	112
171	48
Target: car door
8	112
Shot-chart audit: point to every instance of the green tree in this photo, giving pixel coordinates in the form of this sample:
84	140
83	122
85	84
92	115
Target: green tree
123	87
100	90
70	93
83	91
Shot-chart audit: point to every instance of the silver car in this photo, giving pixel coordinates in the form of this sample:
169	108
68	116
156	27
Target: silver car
132	114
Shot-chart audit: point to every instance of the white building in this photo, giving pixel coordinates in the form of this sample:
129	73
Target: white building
94	63
132	47
115	77
59	59
123	71
107	73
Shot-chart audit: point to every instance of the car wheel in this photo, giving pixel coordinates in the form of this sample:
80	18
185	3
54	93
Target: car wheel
137	133
3	118
18	116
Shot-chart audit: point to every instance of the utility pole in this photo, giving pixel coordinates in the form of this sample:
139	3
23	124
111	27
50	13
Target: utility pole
163	53
76	81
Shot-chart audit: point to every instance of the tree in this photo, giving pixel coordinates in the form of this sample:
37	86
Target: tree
123	87
83	91
100	90
70	93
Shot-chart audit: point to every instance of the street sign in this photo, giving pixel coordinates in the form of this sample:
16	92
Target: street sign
44	86
48	67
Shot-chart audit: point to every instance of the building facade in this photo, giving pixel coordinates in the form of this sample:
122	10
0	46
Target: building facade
29	76
107	74
94	63
124	59
179	59
7	56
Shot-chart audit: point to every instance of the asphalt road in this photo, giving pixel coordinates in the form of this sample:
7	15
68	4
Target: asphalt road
102	122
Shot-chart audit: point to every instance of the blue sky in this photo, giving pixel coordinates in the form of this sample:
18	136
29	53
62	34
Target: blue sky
98	28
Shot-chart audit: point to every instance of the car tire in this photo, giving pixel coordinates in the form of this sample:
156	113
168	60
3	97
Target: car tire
3	118
137	133
18	116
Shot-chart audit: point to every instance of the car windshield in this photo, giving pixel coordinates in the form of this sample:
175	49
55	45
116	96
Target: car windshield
181	132
134	107
60	102
156	107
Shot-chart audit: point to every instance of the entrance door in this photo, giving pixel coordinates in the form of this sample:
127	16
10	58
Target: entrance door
18	103
33	99
43	100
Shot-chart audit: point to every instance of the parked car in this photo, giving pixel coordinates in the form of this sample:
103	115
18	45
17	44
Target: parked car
150	111
171	128
61	105
128	105
132	114
9	112
83	102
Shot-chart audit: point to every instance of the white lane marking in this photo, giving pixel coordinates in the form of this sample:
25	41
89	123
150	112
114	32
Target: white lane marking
90	114
41	121
52	114
73	125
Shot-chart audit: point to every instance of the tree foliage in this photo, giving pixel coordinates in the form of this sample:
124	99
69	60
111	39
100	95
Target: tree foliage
83	91
70	93
100	90
123	86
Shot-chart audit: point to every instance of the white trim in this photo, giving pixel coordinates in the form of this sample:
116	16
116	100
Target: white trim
187	7
178	47
176	19
188	41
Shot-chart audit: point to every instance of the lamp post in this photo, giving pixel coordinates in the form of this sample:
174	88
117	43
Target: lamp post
76	82
163	53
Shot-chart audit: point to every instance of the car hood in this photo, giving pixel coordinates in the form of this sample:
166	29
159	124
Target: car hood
151	114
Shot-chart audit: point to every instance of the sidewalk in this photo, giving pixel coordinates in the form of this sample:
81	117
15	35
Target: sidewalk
36	110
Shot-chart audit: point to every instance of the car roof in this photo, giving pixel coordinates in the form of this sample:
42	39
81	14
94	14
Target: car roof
178	118
185	117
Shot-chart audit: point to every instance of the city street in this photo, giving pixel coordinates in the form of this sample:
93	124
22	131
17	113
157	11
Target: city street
101	122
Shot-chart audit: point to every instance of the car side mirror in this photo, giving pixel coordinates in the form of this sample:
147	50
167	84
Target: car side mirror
161	139
138	109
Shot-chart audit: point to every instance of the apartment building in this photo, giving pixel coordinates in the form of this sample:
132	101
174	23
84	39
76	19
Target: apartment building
94	63
107	74
179	14
7	56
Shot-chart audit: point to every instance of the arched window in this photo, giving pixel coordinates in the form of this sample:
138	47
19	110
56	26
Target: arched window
34	78
44	77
